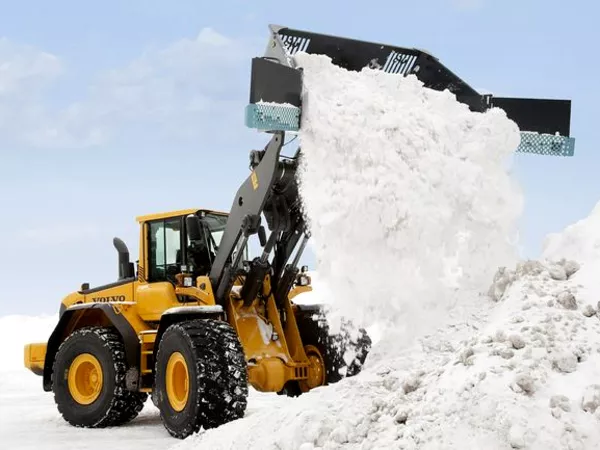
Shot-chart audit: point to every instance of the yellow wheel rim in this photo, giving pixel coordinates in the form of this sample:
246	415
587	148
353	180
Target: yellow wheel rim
85	379
316	370
177	381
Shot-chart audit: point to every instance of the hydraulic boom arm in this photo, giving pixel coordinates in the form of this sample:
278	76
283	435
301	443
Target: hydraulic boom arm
271	189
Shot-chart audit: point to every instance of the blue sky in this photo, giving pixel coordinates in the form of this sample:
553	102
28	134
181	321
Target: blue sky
116	109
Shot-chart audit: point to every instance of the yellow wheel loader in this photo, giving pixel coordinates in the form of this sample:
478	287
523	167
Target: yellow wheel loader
197	320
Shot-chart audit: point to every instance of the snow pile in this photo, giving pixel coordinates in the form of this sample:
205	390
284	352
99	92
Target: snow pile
579	241
522	372
538	360
406	191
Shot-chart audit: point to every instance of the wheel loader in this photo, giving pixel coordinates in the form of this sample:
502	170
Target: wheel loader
196	319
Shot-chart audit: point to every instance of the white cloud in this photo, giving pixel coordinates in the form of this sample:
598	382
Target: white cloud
25	73
25	70
182	90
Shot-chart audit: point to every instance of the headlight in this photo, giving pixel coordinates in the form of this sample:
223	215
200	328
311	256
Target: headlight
188	281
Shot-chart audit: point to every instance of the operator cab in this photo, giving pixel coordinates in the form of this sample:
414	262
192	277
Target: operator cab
188	241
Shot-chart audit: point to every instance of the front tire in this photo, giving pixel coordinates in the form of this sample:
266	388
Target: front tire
201	378
328	351
89	380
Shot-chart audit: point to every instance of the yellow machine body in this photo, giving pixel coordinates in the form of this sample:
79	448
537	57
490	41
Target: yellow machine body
274	352
34	357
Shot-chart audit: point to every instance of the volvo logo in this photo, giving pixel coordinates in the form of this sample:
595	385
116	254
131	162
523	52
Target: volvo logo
112	298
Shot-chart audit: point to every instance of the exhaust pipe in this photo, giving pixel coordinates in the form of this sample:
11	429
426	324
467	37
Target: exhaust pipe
125	267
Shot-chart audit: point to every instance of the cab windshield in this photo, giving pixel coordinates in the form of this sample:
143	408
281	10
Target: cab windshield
216	224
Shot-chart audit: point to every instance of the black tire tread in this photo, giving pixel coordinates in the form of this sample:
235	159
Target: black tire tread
125	405
133	405
221	374
314	330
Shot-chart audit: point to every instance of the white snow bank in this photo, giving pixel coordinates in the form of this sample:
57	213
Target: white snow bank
579	241
578	247
407	194
522	372
548	330
18	330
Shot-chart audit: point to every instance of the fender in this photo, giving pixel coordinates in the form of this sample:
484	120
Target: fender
74	318
181	313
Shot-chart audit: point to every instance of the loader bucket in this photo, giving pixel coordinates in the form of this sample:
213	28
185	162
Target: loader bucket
276	87
275	91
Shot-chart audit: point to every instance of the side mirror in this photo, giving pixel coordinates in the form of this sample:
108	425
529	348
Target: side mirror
193	227
304	269
262	236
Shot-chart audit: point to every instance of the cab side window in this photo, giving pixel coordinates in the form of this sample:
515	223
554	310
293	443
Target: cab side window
165	248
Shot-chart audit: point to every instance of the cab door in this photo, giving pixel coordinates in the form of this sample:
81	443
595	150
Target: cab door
165	256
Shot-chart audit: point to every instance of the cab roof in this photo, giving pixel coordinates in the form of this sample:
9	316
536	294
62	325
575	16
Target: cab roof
177	213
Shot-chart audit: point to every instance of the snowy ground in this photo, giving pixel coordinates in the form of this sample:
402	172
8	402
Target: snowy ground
29	420
28	415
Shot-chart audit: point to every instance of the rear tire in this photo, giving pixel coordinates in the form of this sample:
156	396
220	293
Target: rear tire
201	376
133	405
89	380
